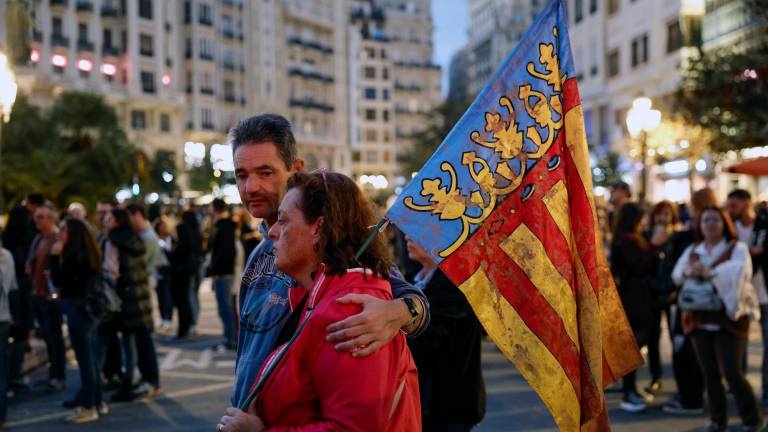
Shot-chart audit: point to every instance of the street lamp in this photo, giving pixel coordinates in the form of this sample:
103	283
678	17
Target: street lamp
641	120
8	89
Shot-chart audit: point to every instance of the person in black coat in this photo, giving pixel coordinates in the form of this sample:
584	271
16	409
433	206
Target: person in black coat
222	268
447	354
17	237
632	266
126	268
185	260
75	264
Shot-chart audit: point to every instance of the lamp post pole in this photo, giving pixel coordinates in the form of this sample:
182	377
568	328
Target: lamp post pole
644	172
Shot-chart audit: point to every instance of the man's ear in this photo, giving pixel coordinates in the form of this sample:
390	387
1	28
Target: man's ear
298	165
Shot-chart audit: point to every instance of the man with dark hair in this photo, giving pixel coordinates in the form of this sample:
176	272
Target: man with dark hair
33	201
620	195
753	231
265	157
222	267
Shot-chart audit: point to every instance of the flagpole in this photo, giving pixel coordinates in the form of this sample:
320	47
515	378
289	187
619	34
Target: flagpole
383	222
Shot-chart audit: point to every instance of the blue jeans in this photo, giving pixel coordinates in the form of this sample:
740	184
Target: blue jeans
164	298
83	335
5	328
48	315
223	287
138	347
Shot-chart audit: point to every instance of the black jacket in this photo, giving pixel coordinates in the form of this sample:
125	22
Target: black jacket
133	283
222	248
447	356
71	273
187	252
632	262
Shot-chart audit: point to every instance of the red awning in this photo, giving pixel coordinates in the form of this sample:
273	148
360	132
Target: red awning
755	167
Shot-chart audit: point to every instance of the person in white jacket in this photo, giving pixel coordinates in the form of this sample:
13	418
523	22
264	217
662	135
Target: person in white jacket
719	337
8	283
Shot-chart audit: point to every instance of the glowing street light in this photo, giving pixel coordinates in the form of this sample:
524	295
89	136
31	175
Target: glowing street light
641	120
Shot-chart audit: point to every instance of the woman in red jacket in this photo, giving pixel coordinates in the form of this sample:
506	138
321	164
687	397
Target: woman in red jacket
306	385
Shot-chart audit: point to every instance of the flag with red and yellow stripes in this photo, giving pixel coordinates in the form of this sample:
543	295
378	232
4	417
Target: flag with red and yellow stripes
505	206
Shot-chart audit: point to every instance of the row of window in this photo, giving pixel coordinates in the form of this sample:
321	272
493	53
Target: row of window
369	72
372	156
372	114
139	120
371	93
639	54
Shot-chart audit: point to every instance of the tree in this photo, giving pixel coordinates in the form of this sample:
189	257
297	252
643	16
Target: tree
424	143
74	151
163	164
723	90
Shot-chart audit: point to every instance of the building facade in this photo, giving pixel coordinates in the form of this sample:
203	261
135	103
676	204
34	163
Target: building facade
393	84
181	71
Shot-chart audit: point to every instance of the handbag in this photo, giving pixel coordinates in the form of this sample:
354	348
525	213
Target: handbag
701	294
101	298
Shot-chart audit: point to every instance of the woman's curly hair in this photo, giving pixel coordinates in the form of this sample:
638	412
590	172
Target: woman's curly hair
348	217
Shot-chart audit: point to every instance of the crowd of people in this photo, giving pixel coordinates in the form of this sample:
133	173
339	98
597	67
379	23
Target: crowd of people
329	332
87	284
98	276
701	269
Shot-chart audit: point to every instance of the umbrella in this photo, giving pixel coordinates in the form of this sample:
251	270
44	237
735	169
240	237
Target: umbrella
755	167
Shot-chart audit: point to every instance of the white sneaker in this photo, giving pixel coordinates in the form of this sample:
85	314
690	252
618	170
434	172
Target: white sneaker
83	415
103	408
632	402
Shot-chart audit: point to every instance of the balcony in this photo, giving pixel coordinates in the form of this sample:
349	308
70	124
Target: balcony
207	91
37	36
408	88
228	66
59	3
310	75
230	99
228	34
206	56
230	3
310	44
59	40
208	126
109	11
84	45
84	6
205	21
107	51
417	65
376	14
310	103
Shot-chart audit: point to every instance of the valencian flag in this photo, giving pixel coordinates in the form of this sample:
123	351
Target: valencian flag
505	207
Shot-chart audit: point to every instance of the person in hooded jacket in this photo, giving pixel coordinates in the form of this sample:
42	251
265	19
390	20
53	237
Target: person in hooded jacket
126	268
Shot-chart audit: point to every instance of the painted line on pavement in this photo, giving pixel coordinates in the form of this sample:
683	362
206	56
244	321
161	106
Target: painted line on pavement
177	394
195	375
